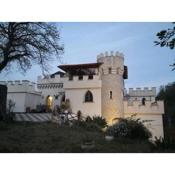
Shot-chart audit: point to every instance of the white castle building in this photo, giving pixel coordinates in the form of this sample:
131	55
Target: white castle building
94	89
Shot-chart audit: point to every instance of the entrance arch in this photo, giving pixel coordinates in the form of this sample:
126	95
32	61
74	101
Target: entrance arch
49	102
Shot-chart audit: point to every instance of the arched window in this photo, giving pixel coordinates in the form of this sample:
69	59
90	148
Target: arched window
49	101
88	96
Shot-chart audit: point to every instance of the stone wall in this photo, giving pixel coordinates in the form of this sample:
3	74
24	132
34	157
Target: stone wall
3	99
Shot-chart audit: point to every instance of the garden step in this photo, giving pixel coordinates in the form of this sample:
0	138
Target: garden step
32	117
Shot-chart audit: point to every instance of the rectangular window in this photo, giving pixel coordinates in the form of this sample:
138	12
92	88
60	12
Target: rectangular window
90	77
110	70
70	77
80	77
110	95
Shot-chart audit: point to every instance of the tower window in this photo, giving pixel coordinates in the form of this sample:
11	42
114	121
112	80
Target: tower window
70	77
90	77
80	77
110	70
88	96
110	94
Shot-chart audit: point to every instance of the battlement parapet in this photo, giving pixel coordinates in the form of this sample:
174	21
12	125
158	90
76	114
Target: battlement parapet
142	92
18	82
20	86
111	54
150	107
113	61
48	79
66	81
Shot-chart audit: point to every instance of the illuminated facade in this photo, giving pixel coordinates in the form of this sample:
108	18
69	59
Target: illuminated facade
94	89
98	89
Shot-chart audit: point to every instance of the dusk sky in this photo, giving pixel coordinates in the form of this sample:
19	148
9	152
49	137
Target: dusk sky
148	65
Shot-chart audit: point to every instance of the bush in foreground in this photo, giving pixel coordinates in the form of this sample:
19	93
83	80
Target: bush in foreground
129	128
163	144
95	123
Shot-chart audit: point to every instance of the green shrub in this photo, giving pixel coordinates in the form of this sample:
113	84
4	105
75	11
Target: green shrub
89	126
100	121
129	128
167	143
9	117
95	123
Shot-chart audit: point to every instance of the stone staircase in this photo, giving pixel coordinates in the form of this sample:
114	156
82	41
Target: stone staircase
32	117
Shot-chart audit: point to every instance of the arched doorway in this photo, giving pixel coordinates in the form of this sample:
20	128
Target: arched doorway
49	102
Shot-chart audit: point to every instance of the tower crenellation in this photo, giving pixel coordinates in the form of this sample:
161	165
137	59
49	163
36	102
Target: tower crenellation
110	54
142	91
17	85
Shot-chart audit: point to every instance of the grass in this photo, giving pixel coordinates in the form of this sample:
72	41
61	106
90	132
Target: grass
26	137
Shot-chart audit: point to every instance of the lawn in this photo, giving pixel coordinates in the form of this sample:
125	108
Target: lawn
26	137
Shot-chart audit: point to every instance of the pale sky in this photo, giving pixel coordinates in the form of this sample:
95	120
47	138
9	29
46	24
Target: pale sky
148	65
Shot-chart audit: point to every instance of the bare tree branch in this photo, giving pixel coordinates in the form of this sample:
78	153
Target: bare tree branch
29	43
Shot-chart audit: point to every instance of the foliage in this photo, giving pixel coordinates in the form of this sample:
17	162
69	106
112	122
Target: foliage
88	126
87	139
41	108
163	144
95	123
27	137
166	38
10	108
129	128
9	117
100	121
65	105
167	93
28	43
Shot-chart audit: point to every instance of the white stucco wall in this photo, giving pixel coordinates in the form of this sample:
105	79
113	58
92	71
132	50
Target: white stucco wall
32	100
52	92
131	107
23	100
51	87
76	97
23	93
19	100
149	112
75	91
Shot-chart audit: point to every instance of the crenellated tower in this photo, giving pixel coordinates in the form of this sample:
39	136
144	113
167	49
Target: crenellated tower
112	75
